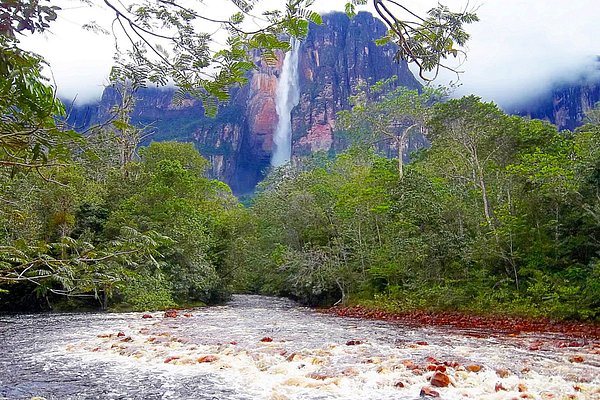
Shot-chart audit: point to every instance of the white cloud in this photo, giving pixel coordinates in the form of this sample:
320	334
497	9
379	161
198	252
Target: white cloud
519	47
79	60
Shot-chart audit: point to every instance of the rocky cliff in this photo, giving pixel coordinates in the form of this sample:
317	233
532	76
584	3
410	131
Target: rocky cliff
334	58
565	105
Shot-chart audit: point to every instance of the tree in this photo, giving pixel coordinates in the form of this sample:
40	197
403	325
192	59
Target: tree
393	116
126	136
17	16
167	43
425	41
474	132
77	268
172	196
29	135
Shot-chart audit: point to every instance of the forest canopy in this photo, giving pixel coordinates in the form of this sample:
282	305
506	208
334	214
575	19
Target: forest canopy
499	214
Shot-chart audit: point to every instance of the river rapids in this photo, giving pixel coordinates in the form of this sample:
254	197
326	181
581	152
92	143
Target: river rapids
258	347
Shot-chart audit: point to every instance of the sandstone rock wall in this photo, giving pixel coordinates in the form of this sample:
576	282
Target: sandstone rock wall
565	106
334	58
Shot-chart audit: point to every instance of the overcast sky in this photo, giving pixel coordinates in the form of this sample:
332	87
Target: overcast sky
517	50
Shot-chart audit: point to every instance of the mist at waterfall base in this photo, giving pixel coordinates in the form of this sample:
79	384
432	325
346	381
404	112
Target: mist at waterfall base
288	96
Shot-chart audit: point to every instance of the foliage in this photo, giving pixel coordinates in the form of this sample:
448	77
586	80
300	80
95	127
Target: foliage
168	41
427	41
93	232
499	215
172	196
17	16
147	292
382	116
76	267
29	136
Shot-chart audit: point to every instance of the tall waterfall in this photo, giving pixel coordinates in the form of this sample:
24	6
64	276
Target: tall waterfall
288	96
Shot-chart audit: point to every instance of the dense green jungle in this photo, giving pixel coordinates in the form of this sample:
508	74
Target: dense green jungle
500	215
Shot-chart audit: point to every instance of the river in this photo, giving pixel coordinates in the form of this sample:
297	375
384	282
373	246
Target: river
258	347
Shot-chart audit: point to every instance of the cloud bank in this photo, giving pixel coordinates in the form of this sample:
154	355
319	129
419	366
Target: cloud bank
520	49
517	51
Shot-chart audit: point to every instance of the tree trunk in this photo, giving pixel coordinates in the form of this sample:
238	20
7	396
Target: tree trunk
400	142
104	302
484	195
400	163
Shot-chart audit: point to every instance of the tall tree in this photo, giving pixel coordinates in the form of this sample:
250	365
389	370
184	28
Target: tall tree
380	114
474	132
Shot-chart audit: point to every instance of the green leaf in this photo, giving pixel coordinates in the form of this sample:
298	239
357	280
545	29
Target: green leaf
350	10
121	125
383	41
316	18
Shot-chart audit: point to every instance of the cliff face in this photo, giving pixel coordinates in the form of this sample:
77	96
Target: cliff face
334	58
566	105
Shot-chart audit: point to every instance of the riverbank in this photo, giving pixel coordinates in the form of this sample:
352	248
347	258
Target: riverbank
476	325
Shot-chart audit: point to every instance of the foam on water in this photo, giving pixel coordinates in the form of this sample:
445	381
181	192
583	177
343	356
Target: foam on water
308	358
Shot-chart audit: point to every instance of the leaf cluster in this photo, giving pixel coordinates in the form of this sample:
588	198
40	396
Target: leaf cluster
427	41
17	16
501	214
167	45
29	134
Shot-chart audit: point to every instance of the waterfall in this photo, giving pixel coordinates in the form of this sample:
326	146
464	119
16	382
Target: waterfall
287	97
